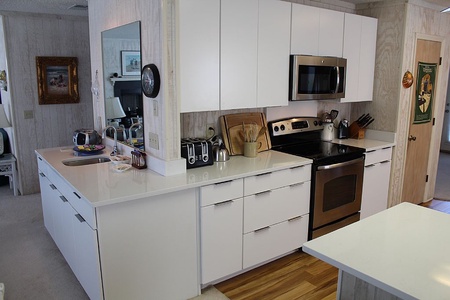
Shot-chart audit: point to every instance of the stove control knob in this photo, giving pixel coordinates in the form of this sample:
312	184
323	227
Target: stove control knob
276	129
316	123
282	127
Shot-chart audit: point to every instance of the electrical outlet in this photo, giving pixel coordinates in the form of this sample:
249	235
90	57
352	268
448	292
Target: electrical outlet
153	140
210	130
28	114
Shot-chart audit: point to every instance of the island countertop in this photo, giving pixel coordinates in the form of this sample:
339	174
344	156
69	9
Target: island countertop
100	185
403	250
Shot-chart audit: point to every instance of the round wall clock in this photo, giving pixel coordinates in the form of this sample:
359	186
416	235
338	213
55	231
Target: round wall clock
150	80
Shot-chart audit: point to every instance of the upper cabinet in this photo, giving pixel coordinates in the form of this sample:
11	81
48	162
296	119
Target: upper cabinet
316	31
198	54
360	37
233	54
238	53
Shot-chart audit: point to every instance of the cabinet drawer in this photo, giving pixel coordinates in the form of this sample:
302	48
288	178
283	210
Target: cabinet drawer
273	241
80	204
221	191
376	156
273	180
276	206
42	166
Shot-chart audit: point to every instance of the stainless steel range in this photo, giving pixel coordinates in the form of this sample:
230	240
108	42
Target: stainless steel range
337	172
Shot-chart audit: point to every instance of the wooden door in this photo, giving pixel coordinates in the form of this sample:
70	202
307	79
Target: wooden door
419	136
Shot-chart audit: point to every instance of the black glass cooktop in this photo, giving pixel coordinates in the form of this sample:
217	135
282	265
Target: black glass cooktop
322	152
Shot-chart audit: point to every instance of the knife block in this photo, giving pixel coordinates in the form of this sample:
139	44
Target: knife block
356	132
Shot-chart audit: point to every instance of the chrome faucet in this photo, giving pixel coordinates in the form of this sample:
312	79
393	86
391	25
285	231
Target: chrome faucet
131	132
115	149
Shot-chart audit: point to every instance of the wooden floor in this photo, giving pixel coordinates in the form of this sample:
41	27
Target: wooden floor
295	276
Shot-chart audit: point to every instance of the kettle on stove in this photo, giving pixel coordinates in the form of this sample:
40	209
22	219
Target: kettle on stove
343	129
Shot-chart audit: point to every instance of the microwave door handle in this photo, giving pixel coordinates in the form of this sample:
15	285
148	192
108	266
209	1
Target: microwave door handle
337	80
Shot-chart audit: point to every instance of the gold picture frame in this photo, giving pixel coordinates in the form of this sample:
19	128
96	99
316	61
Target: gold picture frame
57	79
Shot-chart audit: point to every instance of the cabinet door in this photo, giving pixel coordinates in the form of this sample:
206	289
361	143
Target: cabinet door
375	188
305	29
47	201
221	239
367	58
331	32
239	32
352	41
87	261
273	52
359	48
198	53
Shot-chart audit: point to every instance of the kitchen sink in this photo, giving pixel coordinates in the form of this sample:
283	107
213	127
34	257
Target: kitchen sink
85	161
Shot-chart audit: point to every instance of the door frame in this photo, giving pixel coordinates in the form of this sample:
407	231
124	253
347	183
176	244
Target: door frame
439	106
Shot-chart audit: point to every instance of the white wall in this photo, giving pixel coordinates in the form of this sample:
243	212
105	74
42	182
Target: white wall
28	36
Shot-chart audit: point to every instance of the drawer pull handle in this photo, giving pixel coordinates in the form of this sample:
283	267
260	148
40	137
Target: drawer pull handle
262	229
53	187
80	218
370	151
42	174
223	203
385	161
40	158
295	218
264	174
261	193
63	198
370	166
297	184
77	195
223	182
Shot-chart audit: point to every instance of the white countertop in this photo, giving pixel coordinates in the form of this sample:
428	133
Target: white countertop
100	185
403	250
374	140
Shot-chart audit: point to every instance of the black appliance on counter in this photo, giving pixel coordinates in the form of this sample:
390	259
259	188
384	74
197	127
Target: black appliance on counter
337	172
197	152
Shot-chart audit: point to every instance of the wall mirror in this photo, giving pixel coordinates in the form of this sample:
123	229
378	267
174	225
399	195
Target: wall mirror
121	50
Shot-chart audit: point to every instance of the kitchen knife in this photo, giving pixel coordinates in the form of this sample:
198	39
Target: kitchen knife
360	118
368	123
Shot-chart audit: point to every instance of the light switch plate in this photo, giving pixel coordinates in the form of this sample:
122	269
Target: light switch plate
28	114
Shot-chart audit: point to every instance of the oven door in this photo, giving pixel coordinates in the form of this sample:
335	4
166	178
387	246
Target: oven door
337	192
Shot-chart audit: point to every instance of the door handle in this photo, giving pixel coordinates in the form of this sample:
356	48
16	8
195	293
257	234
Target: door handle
446	110
411	138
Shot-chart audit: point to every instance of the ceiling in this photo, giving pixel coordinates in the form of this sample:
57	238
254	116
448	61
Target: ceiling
62	6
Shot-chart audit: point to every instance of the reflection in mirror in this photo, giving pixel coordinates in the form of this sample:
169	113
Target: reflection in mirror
121	48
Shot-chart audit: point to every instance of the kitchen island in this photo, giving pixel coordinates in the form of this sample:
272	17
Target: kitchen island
399	253
137	234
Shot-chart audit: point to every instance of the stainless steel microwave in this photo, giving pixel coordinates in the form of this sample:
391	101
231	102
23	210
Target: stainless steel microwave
317	77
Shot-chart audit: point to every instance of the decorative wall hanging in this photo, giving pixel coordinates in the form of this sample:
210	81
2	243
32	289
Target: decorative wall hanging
426	76
131	63
408	79
57	80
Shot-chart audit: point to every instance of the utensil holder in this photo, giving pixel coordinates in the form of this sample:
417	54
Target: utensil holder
356	132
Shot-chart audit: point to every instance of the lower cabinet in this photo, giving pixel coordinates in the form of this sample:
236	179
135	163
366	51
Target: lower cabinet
246	222
376	181
76	240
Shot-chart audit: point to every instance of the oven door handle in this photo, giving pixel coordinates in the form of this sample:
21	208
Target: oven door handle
342	164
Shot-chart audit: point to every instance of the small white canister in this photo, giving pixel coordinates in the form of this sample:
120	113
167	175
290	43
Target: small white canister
328	131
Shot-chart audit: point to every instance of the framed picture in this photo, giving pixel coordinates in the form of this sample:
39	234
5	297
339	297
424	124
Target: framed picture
57	80
131	63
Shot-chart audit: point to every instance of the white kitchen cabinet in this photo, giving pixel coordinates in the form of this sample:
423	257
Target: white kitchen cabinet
233	54
238	54
198	53
221	229
76	240
274	22
316	31
376	181
360	35
276	213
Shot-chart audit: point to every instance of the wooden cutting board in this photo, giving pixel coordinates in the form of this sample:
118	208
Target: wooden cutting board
233	135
